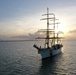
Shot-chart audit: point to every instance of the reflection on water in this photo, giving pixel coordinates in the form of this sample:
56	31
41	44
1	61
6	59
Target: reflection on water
20	58
51	66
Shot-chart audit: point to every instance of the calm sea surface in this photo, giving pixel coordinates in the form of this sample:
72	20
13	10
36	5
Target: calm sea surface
20	58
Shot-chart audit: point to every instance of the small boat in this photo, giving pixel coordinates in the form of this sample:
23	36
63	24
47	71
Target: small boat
52	44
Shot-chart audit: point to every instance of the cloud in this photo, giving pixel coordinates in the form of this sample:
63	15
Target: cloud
3	37
72	31
71	35
28	37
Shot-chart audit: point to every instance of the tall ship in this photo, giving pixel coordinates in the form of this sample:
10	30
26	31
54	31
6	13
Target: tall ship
52	45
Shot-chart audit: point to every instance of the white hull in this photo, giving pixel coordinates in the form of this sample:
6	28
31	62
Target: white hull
45	53
55	52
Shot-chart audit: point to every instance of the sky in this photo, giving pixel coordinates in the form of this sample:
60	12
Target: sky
20	18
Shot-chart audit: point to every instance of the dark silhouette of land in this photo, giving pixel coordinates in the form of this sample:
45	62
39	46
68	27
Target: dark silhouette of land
16	40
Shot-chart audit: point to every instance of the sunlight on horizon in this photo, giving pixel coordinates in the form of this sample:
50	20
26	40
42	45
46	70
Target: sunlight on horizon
62	28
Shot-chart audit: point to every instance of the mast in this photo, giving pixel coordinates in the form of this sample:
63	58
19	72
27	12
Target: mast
47	27
47	30
57	33
47	34
54	29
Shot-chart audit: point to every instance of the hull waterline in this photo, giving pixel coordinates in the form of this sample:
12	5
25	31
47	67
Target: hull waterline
46	53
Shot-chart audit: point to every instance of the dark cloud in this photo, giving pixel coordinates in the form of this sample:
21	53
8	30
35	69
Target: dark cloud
73	31
28	37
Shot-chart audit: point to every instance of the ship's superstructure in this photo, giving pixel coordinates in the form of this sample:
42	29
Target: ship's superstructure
52	44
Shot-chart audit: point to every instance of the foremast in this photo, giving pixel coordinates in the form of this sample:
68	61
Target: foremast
47	35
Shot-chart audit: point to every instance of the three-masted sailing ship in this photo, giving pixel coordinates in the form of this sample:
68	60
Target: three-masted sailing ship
53	48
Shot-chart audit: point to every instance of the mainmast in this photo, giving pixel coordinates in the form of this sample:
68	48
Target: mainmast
47	28
54	29
47	34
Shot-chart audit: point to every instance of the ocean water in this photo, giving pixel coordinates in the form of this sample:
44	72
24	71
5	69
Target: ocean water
20	58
